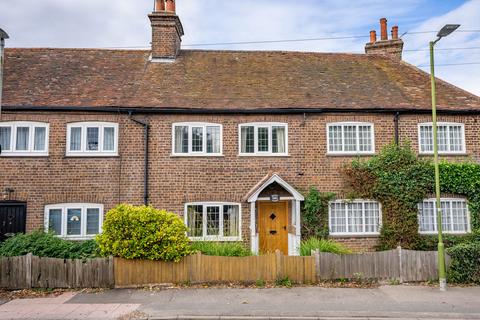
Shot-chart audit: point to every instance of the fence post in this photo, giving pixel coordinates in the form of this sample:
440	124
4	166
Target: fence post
400	264
316	254
111	272
28	270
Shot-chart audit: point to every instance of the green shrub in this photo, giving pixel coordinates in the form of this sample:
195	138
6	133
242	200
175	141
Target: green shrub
323	245
47	245
132	232
226	249
284	282
315	214
465	266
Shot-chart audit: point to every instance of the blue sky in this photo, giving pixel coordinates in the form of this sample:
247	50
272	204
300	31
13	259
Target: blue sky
123	23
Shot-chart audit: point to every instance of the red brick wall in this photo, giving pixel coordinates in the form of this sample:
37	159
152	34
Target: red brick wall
177	180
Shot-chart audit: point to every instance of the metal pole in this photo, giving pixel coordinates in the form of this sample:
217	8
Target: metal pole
441	247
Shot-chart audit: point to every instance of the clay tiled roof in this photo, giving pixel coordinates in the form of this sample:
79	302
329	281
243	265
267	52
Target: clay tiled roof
221	80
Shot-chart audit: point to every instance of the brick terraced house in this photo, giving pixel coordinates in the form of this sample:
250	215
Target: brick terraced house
229	140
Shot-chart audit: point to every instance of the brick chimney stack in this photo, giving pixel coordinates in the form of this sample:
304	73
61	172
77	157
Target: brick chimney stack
167	31
389	47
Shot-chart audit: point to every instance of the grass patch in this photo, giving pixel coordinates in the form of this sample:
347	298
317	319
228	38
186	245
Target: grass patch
223	249
323	245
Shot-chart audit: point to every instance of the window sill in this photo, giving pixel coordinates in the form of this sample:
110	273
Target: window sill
77	156
215	239
203	155
448	154
350	154
19	155
267	155
354	235
77	238
434	233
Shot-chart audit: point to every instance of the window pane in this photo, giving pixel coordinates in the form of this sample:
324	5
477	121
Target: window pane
426	139
213	139
372	216
22	138
195	221
213	221
181	139
355	221
231	218
92	139
365	138
55	221
338	218
263	139
197	139
456	138
427	216
446	218
5	137
350	136
335	138
39	139
75	139
278	139
109	139
74	221
442	135
93	221
248	139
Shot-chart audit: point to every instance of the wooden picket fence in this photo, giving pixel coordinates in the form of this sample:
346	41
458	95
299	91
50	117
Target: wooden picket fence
199	268
35	272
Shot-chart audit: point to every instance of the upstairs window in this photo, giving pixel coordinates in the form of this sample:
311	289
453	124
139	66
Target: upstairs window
263	139
77	221
451	138
455	216
213	221
197	139
354	217
92	139
24	138
350	138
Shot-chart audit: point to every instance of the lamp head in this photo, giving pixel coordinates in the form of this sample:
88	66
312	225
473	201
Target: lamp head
3	34
447	29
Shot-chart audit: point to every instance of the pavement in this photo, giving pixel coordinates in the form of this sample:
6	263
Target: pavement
301	303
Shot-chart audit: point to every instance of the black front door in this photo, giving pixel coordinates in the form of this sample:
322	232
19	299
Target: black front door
13	217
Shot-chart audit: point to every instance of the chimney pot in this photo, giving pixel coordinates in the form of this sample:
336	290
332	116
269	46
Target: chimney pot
159	5
395	33
383	29
373	36
170	6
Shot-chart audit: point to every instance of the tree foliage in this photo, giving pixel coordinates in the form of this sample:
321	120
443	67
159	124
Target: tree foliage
315	214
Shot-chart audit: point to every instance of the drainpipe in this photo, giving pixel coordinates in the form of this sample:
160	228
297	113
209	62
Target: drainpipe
396	120
3	36
146	126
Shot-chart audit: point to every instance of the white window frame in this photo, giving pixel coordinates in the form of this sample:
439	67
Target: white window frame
257	153
204	217
356	124
95	153
348	234
13	125
83	206
204	126
434	200
448	124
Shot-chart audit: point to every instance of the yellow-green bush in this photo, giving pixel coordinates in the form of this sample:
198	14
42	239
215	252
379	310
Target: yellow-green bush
132	232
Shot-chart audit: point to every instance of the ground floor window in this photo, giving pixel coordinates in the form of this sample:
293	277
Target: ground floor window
455	216
74	221
357	217
213	221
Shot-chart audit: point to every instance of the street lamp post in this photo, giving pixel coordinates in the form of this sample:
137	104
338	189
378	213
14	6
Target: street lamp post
3	36
445	31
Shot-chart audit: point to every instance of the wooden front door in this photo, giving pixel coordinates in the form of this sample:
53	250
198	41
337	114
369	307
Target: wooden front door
273	226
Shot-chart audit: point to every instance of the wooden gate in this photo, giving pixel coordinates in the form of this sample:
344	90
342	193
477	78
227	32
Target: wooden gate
13	217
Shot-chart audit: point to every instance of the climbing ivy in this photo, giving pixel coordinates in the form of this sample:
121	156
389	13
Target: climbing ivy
315	214
399	180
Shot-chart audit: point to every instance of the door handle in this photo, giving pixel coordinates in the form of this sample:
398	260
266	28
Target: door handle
285	228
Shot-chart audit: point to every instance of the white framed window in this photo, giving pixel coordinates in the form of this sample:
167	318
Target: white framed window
263	139
212	221
455	216
74	221
451	138
197	139
358	217
24	139
92	139
350	138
